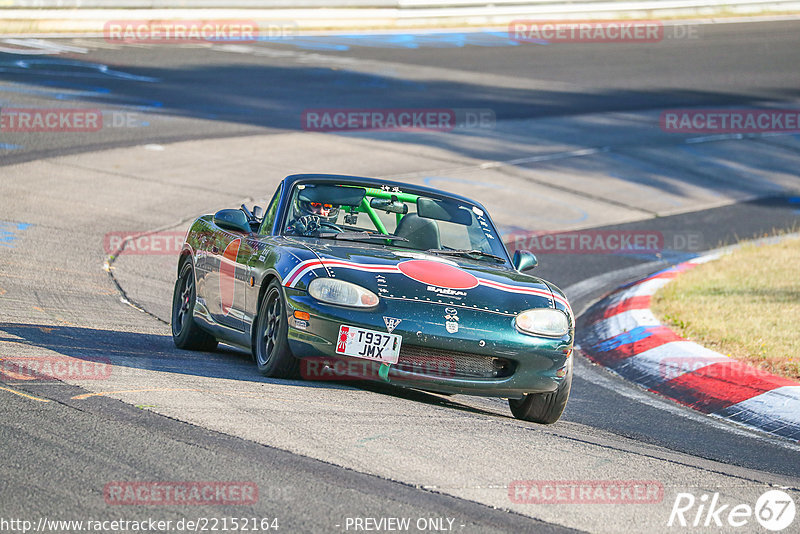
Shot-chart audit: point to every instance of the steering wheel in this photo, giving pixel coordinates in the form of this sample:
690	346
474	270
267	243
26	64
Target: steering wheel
308	224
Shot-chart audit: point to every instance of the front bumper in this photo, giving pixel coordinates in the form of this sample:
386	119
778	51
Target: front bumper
486	356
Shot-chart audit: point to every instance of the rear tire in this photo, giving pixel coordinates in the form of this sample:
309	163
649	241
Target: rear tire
544	408
185	333
271	343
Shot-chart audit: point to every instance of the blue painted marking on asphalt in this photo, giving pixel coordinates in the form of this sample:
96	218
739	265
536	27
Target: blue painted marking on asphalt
495	39
9	231
148	105
7	146
631	336
311	44
381	41
83	69
409	41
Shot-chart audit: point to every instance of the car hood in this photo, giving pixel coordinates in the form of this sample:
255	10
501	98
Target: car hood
418	276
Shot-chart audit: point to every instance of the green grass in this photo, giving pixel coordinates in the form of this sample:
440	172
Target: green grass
745	305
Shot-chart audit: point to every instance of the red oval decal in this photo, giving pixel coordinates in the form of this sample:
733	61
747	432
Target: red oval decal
227	275
437	274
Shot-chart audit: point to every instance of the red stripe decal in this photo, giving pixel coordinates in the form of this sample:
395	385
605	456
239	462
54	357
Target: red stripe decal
515	289
299	268
309	265
227	275
304	267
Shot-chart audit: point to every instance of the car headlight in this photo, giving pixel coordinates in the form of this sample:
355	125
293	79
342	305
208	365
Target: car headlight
543	322
342	293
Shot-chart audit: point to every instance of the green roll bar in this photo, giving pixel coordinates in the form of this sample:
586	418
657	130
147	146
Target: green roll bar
380	193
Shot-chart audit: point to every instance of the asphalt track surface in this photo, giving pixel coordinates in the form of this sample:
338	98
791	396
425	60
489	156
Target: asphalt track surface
223	125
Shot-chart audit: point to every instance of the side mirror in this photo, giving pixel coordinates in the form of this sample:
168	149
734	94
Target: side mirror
524	260
258	212
234	220
391	205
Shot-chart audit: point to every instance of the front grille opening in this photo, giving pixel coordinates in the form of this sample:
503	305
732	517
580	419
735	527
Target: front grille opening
437	363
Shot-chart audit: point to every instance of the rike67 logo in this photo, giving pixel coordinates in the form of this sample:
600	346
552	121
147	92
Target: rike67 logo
774	511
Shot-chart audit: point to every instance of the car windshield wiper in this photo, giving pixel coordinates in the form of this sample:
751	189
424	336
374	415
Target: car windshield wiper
358	236
465	252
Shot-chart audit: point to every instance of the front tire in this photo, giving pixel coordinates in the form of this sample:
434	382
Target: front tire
185	333
271	343
543	408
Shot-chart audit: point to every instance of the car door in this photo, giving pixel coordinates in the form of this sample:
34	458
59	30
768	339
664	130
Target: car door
228	276
232	255
202	240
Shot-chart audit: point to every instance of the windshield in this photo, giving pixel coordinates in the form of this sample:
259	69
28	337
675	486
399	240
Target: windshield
391	216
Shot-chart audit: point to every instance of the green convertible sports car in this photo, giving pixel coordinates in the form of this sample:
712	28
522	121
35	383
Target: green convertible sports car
343	277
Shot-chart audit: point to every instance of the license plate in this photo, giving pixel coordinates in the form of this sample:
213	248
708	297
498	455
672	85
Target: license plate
368	344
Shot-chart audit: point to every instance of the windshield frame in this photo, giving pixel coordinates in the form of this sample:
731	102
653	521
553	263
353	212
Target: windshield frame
385	189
